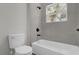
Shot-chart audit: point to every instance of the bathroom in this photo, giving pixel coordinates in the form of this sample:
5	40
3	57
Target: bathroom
26	18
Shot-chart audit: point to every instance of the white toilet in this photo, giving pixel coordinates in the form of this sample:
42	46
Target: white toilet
17	45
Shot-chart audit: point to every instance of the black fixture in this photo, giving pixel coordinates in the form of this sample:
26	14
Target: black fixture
38	35
37	29
39	7
77	29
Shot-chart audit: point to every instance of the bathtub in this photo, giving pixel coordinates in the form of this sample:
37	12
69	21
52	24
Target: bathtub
45	47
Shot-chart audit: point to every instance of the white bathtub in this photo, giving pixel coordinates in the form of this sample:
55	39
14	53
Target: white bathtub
45	47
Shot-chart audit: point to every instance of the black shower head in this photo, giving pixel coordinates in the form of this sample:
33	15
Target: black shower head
39	7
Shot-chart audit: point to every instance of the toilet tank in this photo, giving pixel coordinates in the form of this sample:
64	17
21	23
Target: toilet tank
16	40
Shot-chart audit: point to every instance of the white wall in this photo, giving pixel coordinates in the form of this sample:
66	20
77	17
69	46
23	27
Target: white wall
12	20
63	31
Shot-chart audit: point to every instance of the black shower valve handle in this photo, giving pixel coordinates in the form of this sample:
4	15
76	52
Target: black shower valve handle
37	29
77	29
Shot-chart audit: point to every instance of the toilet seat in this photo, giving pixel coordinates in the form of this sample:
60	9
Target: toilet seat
23	50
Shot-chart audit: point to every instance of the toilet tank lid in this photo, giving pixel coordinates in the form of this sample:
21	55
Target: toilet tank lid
21	34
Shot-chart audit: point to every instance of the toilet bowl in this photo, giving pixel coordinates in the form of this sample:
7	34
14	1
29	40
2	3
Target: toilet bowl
23	50
17	45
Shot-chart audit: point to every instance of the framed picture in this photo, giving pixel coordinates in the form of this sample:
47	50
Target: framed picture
56	12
